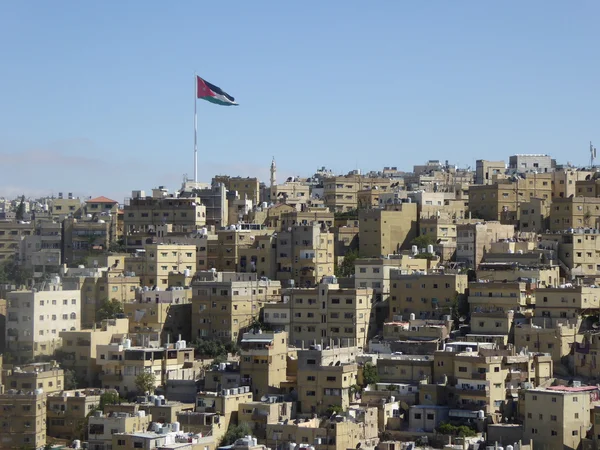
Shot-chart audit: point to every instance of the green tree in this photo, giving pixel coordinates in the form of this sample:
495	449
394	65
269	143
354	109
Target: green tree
334	409
13	273
423	241
109	310
109	398
70	380
454	430
370	375
346	268
145	382
235	432
20	213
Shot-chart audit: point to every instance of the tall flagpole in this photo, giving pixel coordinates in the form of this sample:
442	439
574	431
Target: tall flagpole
195	129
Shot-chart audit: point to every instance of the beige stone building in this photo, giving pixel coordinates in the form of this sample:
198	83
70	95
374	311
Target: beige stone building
62	207
102	427
341	192
66	412
486	172
355	427
383	232
567	302
80	347
578	250
35	319
225	403
325	376
329	312
501	201
474	240
22	419
11	234
566	182
307	216
224	304
143	214
245	187
260	257
263	361
535	215
558	417
46	376
574	212
158	260
305	254
86	237
425	295
554	337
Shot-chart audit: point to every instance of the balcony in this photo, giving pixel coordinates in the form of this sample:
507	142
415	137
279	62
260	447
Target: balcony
106	377
479	376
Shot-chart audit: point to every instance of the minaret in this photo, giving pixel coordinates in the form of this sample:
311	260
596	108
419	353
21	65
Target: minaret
273	173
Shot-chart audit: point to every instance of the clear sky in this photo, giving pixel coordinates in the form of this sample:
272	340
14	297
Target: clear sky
97	97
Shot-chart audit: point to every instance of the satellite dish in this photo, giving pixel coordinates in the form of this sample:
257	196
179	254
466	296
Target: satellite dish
462	318
264	398
596	325
404	406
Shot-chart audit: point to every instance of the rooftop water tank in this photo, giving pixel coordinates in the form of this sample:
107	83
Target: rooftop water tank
126	344
412	316
76	443
175	426
430	248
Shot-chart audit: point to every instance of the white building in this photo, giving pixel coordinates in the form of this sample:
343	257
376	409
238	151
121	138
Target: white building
35	319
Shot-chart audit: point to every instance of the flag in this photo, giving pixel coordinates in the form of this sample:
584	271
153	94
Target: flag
213	94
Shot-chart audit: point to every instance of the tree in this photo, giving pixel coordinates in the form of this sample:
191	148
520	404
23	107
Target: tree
13	273
109	398
109	310
453	430
235	432
145	382
370	375
20	213
70	380
346	268
423	241
334	409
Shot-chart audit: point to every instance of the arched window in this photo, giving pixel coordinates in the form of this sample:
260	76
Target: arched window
73	316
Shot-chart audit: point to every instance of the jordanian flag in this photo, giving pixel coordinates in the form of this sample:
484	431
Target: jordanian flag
213	94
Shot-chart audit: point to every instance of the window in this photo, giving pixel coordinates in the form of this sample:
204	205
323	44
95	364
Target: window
310	393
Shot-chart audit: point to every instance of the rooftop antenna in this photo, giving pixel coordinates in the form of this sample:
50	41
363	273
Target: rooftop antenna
592	155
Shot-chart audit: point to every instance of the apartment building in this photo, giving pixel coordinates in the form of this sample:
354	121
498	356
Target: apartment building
224	253
214	200
244	187
263	361
97	285
121	363
46	376
474	240
325	376
383	232
536	163
224	304
578	250
67	411
80	347
307	216
574	212
42	250
305	255
486	172
158	407
158	260
102	427
260	257
556	337
355	427
259	414
566	182
226	403
143	214
329	312
500	296
63	207
22	419
345	240
160	316
567	301
425	295
491	325
292	192
35	319
86	236
401	369
375	273
11	234
558	417
535	215
341	192
501	201
412	337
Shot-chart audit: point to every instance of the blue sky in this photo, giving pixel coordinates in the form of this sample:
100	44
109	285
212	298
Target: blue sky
97	97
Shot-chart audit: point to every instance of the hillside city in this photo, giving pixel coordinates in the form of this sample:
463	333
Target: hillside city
438	307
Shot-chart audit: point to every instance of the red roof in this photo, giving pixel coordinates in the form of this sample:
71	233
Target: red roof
101	200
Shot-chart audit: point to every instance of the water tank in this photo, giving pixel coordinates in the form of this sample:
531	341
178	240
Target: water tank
157	401
156	427
480	414
509	447
77	443
187	273
449	348
318	347
162	397
412	316
141	413
56	280
430	248
175	426
152	398
447	318
126	343
254	442
222	366
392	399
38	391
224	391
415	249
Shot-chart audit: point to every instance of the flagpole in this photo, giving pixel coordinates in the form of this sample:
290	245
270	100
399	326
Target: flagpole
195	129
